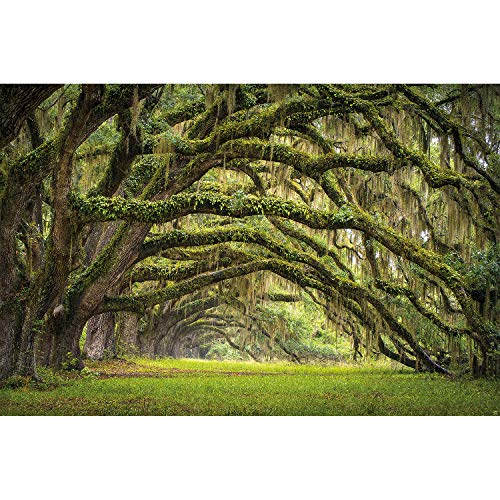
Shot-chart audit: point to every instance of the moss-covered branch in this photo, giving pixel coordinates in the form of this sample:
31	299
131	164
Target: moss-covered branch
309	164
99	209
174	272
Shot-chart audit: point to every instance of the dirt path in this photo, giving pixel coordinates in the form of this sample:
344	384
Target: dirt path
121	368
174	372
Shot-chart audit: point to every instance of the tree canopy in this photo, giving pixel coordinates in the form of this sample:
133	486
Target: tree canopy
293	221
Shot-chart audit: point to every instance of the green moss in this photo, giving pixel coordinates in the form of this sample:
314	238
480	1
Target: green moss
99	208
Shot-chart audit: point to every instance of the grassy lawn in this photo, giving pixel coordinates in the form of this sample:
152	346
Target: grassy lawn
194	387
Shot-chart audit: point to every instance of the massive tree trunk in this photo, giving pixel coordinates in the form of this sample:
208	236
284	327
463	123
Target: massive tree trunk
147	344
10	300
66	352
127	333
10	327
100	340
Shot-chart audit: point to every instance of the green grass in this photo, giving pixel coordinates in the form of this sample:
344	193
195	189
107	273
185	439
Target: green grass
194	387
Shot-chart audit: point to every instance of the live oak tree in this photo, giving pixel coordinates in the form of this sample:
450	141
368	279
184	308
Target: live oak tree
165	217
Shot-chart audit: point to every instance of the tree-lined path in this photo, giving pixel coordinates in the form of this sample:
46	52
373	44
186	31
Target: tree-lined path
264	222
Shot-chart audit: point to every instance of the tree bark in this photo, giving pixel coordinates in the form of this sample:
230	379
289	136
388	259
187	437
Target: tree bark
9	340
66	352
17	102
100	340
127	333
